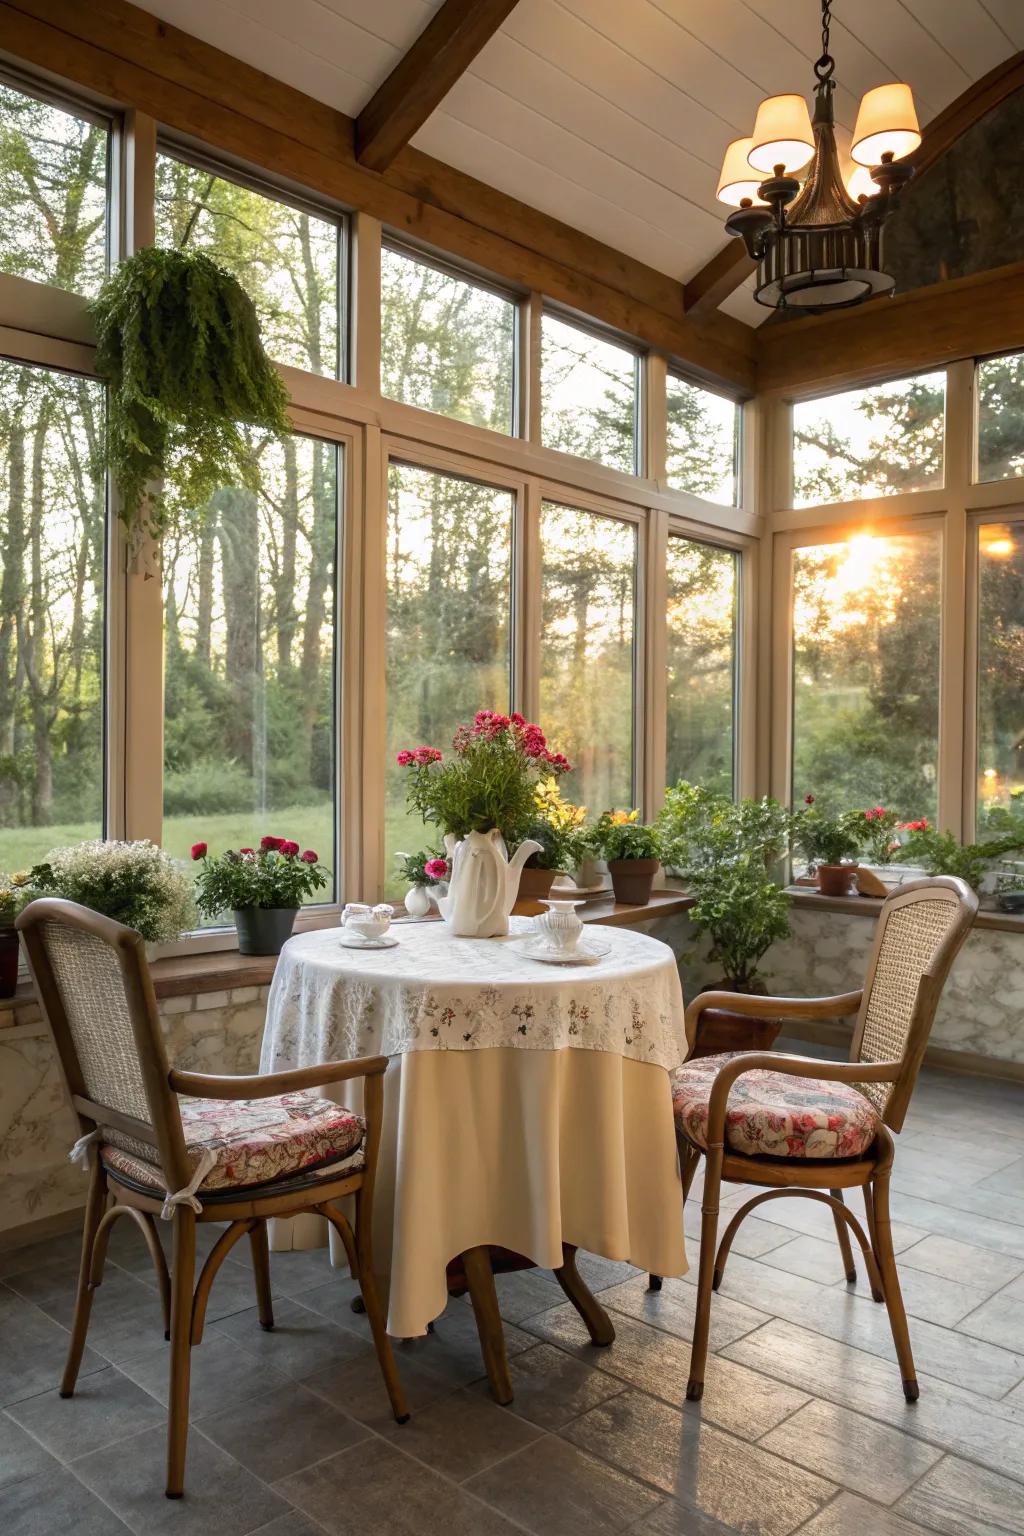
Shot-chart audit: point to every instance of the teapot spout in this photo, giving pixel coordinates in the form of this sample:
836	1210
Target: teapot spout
522	853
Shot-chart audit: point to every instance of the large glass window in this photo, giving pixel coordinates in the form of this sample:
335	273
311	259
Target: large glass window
870	442
589	395
53	191
866	672
52	556
447	345
1000	673
702	444
587	651
249	734
449	598
701	672
1000	382
286	258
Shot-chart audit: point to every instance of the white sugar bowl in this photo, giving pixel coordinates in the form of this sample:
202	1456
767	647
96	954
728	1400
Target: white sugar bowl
367	922
560	926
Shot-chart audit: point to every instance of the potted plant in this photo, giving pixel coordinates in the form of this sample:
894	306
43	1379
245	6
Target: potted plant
136	883
422	870
15	893
826	842
941	853
559	831
876	831
698	827
178	343
633	853
263	887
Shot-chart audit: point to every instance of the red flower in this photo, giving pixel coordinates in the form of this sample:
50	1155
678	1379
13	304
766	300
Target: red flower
558	761
199	850
808	799
436	869
517	719
289	849
426	755
271	844
249	851
914	826
404	759
309	857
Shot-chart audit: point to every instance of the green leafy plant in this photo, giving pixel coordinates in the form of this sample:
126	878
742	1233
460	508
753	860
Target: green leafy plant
488	781
136	883
743	912
940	853
559	829
178	342
824	839
424	868
273	876
698	827
622	835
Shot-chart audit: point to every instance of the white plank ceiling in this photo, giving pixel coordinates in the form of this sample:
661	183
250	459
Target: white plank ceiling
612	115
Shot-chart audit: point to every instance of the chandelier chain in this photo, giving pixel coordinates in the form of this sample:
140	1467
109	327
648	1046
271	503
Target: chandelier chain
824	69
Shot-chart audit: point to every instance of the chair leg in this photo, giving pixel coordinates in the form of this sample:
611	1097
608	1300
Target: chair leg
599	1324
261	1269
843	1234
183	1266
877	1294
95	1205
706	1275
375	1311
882	1235
480	1278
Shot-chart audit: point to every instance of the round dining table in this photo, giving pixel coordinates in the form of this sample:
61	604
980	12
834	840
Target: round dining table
527	1105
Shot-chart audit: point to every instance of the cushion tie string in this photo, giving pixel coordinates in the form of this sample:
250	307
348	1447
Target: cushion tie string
187	1196
80	1151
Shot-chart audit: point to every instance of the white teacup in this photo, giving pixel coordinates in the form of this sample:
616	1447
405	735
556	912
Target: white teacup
560	926
367	922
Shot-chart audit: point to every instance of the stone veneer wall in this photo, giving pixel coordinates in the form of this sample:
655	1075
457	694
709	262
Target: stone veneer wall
982	1013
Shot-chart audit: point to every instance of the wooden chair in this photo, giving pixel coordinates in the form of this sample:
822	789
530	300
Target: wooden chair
817	1112
153	1154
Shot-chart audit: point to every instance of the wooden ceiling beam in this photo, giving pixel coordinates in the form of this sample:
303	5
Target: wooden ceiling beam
964	317
731	266
130	57
424	75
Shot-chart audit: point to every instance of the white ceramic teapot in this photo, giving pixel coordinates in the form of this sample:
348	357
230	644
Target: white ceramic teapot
483	883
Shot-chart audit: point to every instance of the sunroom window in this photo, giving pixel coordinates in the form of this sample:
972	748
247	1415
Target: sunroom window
702	617
589	395
871	442
702	441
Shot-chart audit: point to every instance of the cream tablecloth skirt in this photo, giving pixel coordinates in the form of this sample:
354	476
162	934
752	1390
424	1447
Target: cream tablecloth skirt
522	1148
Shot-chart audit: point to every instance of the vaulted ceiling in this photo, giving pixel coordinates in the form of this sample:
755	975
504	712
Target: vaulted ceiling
612	115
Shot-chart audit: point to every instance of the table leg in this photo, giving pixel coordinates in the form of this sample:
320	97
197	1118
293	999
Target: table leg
599	1324
480	1279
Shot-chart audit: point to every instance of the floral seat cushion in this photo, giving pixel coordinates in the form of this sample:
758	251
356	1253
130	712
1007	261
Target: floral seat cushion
773	1114
242	1142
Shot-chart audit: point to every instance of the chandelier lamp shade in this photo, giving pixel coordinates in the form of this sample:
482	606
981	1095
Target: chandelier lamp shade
816	235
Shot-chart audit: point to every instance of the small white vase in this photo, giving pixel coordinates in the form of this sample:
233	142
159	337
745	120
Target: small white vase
417	901
560	926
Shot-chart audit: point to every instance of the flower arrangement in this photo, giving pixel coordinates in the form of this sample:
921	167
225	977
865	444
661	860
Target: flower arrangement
621	835
877	830
273	877
422	868
135	883
559	829
488	780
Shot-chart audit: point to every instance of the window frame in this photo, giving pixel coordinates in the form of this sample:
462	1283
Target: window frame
978	519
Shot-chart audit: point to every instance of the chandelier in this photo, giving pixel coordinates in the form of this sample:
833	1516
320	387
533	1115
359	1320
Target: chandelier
818	242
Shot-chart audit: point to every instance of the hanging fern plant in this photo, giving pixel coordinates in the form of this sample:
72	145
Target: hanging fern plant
178	343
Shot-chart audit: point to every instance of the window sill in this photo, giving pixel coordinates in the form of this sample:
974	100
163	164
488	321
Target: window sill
225	970
870	906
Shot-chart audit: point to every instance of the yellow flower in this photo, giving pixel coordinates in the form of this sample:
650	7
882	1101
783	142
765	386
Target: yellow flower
557	811
621	818
21	877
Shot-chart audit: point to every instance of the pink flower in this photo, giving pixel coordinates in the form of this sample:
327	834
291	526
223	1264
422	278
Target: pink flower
199	850
534	741
915	826
309	857
289	849
426	755
558	761
404	759
517	719
436	869
270	844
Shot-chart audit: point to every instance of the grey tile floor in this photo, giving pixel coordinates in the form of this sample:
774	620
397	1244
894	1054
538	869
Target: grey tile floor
803	1426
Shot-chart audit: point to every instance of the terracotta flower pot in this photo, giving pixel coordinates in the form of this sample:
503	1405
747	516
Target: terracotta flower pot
535	884
8	959
835	879
264	930
632	880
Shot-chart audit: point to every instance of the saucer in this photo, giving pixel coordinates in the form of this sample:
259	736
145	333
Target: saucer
585	953
352	941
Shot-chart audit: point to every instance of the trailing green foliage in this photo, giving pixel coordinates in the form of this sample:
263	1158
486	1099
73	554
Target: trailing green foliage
940	853
743	912
178	342
824	839
698	827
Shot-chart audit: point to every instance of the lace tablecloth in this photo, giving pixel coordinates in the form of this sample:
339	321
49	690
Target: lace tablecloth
434	991
525	1105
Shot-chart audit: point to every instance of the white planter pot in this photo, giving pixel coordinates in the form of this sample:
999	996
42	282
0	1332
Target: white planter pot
417	901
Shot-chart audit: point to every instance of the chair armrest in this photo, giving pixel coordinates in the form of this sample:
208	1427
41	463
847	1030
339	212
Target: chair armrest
837	1007
200	1086
797	1066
